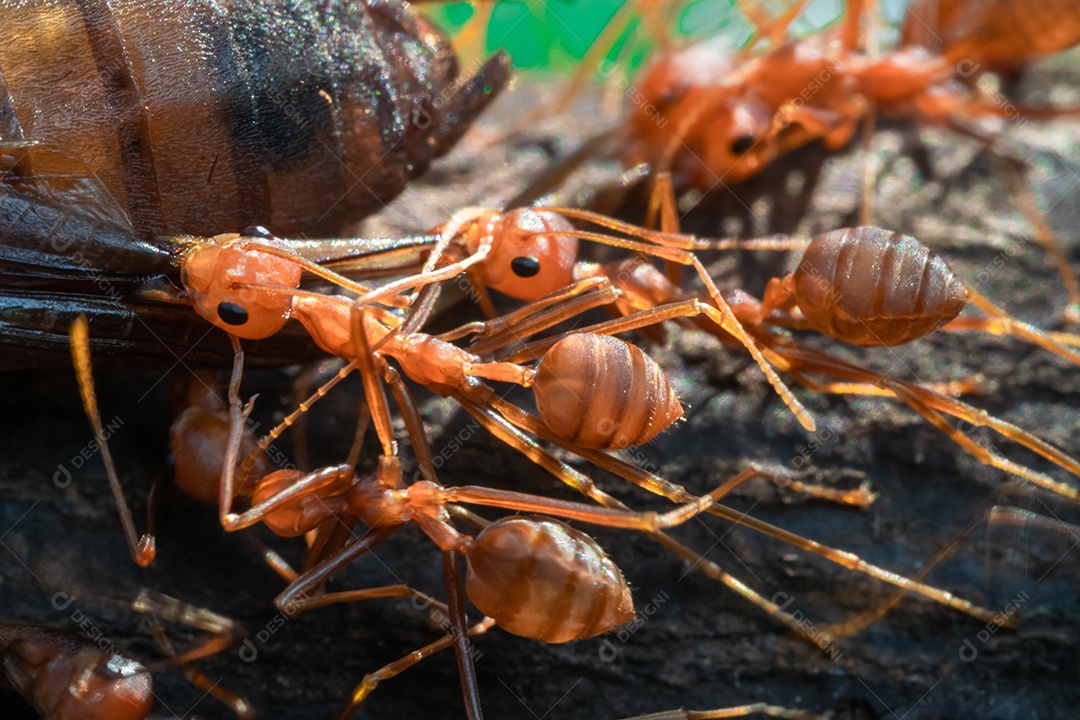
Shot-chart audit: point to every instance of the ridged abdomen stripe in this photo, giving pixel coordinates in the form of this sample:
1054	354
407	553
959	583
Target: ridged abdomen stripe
143	203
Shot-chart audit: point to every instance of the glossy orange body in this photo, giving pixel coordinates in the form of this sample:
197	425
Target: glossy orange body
713	120
994	34
68	677
868	286
541	579
600	392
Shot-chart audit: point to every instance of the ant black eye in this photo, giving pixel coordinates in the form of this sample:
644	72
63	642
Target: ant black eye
742	145
232	314
525	267
256	231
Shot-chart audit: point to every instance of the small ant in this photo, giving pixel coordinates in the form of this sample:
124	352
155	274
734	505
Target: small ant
65	676
68	676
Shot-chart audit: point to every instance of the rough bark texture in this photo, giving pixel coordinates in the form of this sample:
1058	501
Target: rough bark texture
697	644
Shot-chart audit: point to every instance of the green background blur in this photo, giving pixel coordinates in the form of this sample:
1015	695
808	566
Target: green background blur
554	34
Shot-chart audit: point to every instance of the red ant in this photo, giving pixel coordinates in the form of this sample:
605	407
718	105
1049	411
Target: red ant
728	118
68	676
864	286
368	335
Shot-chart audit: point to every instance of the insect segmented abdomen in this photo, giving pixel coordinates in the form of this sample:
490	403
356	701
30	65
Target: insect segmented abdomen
868	286
601	392
201	117
541	579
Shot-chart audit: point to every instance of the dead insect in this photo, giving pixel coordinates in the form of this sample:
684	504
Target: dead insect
123	130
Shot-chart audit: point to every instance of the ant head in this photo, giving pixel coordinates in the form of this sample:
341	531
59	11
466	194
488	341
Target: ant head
85	684
528	259
224	275
743	141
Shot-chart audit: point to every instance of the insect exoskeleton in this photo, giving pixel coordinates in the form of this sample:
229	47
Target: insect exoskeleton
544	580
194	117
601	392
531	258
66	677
214	268
874	287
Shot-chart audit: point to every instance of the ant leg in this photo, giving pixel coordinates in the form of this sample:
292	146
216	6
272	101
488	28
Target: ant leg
1020	329
861	497
373	388
459	633
302	486
532	317
372	680
513	437
677	249
928	404
733	712
304	604
662	204
414	424
292	418
447	272
770	28
851	34
997	326
297	592
142	549
953	388
865	619
224	633
1008	515
271	557
1022	192
689	308
777	242
649	481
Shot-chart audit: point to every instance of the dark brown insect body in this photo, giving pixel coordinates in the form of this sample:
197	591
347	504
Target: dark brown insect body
126	125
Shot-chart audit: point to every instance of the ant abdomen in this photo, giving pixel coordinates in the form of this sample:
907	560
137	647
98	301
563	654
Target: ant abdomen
544	580
600	392
873	287
198	440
